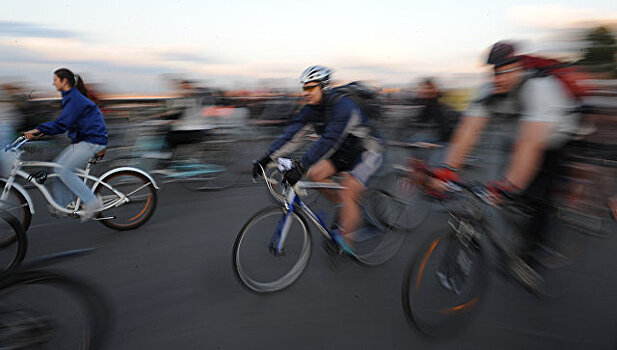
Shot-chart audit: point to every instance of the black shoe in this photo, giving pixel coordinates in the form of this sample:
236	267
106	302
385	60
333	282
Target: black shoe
334	253
526	275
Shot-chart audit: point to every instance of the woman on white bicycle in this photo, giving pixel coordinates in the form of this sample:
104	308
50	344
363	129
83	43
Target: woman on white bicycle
86	128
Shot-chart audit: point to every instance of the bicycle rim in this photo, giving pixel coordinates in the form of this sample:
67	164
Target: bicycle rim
381	237
17	205
403	187
255	264
142	200
14	249
443	285
46	310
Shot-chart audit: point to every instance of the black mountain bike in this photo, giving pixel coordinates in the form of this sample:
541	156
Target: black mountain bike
447	279
46	309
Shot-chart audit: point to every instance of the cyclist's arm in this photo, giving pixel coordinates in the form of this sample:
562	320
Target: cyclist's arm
546	120
291	136
528	152
67	117
465	137
469	129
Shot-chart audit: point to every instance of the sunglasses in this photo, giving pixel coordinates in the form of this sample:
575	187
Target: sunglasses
309	88
506	71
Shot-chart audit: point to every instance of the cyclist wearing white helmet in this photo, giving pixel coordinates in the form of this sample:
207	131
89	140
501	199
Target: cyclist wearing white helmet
348	145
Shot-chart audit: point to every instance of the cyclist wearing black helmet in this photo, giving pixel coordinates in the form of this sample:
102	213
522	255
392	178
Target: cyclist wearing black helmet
347	145
535	116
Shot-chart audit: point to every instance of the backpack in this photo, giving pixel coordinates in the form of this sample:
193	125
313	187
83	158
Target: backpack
570	76
366	98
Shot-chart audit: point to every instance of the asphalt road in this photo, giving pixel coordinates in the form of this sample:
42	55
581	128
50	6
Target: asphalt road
172	287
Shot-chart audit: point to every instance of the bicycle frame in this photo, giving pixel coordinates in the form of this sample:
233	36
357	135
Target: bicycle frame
16	171
293	201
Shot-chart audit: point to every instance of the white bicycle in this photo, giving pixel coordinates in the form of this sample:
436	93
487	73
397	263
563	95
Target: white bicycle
128	195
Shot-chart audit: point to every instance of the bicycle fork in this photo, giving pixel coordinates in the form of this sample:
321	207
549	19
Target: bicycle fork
277	242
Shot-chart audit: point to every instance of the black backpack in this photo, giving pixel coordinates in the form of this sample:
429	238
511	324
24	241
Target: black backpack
366	98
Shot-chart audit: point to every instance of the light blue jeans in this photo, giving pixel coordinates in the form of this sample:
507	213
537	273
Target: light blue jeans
74	157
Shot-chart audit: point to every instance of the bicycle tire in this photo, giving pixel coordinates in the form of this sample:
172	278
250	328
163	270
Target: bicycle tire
115	217
18	237
93	306
381	237
429	306
17	205
254	241
404	188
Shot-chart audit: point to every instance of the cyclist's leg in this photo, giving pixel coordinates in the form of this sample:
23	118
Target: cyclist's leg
321	172
350	216
355	183
73	157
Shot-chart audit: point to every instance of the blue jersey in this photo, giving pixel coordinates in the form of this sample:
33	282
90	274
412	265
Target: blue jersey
333	123
80	117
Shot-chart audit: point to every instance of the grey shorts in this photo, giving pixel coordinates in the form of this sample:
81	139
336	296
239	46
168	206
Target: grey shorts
369	163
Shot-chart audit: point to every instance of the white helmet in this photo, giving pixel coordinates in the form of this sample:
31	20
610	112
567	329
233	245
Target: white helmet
319	74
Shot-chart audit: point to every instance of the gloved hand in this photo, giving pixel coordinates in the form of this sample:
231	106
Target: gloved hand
441	175
294	174
500	189
260	164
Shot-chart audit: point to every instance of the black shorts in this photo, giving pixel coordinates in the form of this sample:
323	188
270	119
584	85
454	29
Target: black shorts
348	155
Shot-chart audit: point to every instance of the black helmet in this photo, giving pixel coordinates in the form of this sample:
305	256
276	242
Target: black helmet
502	53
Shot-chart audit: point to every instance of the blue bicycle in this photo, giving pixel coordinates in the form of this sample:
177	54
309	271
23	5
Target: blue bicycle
273	248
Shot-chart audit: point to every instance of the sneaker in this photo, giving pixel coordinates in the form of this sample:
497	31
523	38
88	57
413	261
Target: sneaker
340	242
90	210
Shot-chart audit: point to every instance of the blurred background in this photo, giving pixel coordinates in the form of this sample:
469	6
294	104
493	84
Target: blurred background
219	78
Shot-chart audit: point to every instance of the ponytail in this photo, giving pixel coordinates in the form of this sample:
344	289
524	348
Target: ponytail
74	80
79	85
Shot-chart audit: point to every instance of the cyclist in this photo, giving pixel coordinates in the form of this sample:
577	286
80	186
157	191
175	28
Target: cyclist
86	128
348	146
539	117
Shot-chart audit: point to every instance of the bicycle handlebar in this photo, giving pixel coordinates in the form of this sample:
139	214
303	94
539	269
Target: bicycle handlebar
477	190
16	144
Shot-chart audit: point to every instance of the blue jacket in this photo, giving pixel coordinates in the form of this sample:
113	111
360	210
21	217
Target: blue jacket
80	117
334	126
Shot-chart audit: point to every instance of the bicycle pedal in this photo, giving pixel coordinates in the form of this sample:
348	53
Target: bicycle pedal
103	218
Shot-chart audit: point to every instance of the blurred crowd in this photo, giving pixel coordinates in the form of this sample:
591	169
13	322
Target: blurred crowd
421	111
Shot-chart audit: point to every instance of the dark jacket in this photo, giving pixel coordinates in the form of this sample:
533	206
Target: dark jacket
80	117
334	123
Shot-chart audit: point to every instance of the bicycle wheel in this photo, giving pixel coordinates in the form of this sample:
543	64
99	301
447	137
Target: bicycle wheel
214	167
47	310
17	205
404	187
443	285
140	196
15	241
256	265
380	237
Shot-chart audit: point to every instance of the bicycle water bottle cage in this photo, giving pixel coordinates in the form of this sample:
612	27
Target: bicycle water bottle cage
39	176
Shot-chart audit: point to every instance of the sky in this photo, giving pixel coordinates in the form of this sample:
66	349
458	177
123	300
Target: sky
131	46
